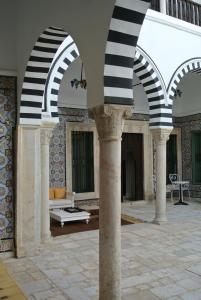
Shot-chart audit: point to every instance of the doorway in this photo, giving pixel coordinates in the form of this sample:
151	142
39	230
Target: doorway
82	161
132	167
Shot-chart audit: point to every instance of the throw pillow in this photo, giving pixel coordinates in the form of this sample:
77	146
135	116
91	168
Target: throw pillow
59	193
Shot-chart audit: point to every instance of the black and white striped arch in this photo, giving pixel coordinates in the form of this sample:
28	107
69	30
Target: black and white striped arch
125	25
159	109
59	66
190	66
47	48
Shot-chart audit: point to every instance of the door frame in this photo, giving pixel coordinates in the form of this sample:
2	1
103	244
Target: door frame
137	169
89	127
134	126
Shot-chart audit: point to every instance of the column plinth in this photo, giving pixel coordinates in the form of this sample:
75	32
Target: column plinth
160	136
45	136
109	121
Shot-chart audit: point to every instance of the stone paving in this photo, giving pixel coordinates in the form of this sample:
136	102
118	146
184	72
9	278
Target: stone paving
8	287
158	261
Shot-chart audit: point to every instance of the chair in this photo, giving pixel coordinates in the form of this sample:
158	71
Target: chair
185	187
169	189
173	187
174	177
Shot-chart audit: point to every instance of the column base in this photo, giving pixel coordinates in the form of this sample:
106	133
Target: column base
159	220
46	238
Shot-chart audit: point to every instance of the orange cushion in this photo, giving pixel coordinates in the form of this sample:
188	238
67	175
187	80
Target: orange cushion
59	193
51	193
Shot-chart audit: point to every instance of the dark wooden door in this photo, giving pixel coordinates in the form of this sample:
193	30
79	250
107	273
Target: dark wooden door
132	166
82	162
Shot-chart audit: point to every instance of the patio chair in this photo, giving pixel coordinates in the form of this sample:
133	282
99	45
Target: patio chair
169	190
186	187
173	187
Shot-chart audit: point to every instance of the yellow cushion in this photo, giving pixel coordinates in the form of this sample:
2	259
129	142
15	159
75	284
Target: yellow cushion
59	193
51	193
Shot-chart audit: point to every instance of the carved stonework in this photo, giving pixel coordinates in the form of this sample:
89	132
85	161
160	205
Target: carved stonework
161	135
45	135
110	120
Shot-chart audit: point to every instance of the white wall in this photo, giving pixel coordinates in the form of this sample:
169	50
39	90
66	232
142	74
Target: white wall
86	21
72	97
169	42
8	35
190	101
140	99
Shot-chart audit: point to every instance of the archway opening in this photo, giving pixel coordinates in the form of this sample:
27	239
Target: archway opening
187	117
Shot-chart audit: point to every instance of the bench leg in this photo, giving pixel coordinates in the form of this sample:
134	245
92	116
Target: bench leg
62	224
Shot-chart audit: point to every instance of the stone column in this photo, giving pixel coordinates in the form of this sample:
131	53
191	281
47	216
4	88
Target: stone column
45	135
109	121
160	137
163	6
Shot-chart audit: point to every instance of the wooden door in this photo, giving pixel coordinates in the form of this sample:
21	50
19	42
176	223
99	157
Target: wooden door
132	166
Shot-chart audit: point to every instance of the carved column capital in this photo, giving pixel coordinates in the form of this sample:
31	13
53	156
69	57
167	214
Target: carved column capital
110	120
161	135
45	135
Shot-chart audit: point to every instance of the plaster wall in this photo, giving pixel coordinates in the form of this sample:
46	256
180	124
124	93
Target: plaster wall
190	102
8	34
86	21
72	97
169	42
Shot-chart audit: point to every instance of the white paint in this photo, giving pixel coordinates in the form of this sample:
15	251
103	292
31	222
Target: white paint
170	43
140	98
8	34
189	103
87	23
72	97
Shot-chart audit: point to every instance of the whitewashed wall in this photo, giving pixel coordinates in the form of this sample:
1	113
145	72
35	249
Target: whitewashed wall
72	97
169	42
8	36
86	21
190	101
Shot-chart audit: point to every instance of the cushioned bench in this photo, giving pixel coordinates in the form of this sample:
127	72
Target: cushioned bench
60	198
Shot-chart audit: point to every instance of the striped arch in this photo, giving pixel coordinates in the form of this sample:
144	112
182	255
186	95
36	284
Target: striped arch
60	64
125	25
154	87
36	104
190	66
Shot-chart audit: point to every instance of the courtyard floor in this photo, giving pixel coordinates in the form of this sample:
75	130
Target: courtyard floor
158	261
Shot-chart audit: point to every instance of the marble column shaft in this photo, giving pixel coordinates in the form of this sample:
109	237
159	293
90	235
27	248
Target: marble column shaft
46	134
109	121
160	137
